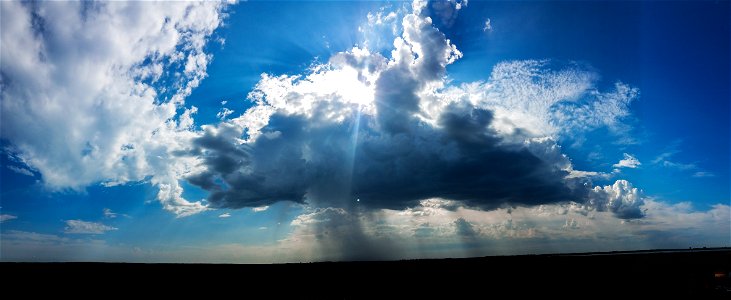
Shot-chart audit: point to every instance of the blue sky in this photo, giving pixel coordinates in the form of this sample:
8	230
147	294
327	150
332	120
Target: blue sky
493	128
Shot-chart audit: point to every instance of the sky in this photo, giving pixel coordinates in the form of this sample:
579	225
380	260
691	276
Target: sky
268	132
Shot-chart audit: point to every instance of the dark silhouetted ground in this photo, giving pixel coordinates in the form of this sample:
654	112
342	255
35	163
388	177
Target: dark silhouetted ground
685	274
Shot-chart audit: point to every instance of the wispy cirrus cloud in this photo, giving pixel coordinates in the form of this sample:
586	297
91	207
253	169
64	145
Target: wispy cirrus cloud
666	160
6	217
84	227
702	174
21	171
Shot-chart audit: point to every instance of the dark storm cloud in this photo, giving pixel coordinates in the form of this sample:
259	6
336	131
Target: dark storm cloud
300	160
244	175
462	161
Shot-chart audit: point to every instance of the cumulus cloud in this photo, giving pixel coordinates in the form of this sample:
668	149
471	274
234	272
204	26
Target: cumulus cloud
91	91
629	161
621	198
84	227
6	217
224	215
381	132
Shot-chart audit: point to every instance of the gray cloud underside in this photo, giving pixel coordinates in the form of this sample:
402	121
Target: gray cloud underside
461	160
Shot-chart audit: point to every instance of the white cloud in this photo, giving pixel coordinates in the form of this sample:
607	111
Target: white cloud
225	112
259	209
679	166
621	198
224	215
488	25
22	171
701	174
588	174
108	213
84	227
536	99
5	217
92	95
629	161
663	156
664	160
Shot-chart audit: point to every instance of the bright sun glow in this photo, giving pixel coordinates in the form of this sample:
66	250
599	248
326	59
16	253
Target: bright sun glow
345	83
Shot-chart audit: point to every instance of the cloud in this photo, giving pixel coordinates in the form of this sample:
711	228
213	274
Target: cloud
25	246
461	231
374	132
5	217
539	98
84	227
629	161
621	198
701	174
108	213
386	131
664	160
92	90
465	228
488	25
224	215
259	209
409	234
225	112
21	171
338	234
679	166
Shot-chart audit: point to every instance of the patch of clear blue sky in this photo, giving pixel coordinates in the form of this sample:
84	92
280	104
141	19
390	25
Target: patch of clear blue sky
677	53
